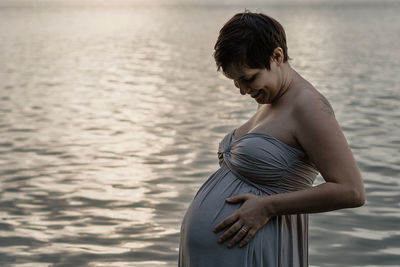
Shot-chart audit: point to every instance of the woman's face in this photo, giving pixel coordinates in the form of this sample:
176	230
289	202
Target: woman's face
261	84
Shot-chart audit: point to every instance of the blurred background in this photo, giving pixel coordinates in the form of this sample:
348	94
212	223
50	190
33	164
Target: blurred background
111	113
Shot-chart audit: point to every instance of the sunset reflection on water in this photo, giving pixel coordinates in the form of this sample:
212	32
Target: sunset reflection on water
111	118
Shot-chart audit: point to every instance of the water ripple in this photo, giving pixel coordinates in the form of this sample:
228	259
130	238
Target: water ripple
111	119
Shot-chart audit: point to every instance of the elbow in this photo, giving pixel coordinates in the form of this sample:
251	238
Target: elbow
356	198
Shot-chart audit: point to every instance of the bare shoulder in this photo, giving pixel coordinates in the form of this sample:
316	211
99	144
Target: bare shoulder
315	121
309	100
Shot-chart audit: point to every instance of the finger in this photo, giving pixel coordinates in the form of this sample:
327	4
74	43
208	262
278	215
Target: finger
228	221
230	232
237	198
239	236
247	238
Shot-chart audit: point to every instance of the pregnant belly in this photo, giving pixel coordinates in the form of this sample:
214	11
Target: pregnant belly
283	237
209	207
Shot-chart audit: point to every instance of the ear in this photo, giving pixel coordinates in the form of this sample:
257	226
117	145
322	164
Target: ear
277	56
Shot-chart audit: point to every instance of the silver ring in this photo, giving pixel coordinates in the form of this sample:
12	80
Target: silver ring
244	229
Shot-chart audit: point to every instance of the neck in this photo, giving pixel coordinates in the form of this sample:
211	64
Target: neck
287	78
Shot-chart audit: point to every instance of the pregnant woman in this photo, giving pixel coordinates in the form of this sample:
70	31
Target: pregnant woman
253	210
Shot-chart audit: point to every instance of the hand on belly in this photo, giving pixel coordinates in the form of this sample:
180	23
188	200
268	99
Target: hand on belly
245	222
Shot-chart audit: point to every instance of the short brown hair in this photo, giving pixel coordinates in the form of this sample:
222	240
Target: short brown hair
249	39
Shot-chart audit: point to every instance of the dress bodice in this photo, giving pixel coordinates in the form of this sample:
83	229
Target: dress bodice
266	162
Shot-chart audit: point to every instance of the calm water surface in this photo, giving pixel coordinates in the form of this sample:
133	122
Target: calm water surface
110	118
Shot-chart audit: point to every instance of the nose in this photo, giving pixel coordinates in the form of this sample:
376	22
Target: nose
243	88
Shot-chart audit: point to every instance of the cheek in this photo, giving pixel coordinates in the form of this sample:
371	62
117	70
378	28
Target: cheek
261	83
257	85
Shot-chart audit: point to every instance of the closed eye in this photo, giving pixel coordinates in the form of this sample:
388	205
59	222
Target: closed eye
252	78
249	80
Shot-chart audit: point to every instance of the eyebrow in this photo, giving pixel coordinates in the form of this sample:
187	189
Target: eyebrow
243	76
251	77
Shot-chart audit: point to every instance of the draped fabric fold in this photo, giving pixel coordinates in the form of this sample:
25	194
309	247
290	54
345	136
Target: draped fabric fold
266	162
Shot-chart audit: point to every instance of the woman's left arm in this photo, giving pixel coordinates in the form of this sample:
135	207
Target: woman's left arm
322	139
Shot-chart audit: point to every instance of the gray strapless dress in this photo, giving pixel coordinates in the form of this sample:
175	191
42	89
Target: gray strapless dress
255	163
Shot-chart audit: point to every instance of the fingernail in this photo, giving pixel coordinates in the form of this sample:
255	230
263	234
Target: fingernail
220	240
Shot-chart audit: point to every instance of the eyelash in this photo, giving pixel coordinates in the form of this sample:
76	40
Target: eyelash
248	81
